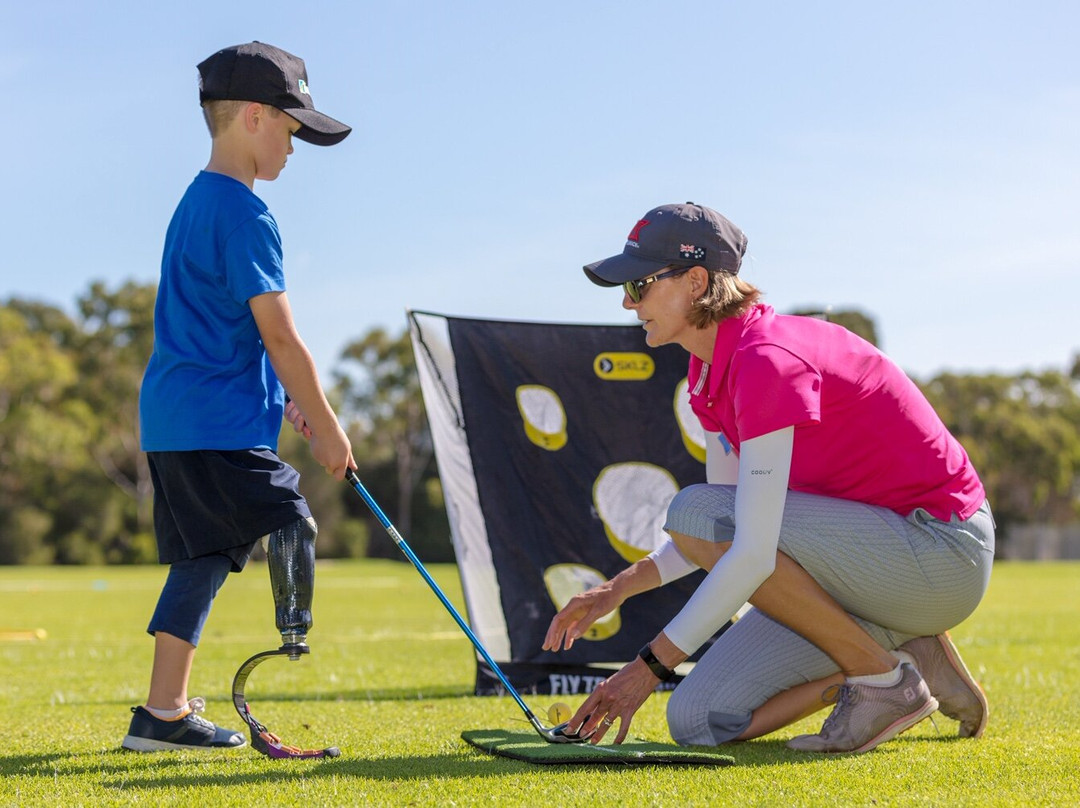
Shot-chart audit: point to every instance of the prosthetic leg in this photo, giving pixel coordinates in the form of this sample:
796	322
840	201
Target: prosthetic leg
290	554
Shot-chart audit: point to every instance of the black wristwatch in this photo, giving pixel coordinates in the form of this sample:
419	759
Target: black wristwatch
659	671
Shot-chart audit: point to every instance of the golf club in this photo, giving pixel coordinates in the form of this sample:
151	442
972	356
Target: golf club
556	734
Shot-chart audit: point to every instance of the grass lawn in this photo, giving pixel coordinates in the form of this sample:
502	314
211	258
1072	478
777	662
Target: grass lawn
389	681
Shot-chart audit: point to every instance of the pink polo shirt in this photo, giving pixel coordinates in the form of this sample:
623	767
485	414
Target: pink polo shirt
863	430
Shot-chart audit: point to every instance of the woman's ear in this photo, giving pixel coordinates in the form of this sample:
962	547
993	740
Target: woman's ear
699	281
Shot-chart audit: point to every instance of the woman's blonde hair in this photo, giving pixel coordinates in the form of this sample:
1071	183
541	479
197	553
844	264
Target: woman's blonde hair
725	296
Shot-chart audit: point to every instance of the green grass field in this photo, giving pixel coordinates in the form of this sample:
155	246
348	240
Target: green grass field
389	681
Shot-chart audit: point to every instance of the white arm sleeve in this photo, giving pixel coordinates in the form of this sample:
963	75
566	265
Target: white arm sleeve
764	470
670	563
721	468
721	462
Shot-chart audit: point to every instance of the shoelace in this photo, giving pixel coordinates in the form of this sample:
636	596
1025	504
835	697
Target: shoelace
843	696
197	705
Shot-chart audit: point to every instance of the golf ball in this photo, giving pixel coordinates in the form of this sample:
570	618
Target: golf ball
559	713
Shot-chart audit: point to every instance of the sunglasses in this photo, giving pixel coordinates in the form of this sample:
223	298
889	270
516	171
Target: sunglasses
636	289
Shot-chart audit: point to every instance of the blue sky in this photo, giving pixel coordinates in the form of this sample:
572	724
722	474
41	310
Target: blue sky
917	161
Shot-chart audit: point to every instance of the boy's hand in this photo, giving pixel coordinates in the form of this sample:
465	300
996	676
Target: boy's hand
334	455
296	418
333	452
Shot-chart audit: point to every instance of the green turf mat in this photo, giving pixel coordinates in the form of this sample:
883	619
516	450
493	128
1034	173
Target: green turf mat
531	748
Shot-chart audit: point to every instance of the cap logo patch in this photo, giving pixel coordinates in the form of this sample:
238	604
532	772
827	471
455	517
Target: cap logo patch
636	232
303	87
690	251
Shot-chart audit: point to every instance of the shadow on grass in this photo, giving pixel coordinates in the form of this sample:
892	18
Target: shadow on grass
56	764
774	751
131	771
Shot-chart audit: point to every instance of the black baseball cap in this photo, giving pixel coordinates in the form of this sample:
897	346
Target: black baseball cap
268	75
686	235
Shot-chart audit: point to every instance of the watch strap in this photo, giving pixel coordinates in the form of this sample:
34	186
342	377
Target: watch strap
659	671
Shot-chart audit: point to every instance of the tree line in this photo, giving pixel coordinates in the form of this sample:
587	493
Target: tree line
75	488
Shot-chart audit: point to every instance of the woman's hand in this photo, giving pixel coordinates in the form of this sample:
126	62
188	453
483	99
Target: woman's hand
584	609
615	699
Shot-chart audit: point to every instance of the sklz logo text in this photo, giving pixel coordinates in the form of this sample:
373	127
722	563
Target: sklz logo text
624	367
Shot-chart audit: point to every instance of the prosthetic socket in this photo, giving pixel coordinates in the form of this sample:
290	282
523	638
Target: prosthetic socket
290	554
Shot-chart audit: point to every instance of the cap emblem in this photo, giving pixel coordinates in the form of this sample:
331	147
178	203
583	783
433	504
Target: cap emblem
636	232
303	87
690	251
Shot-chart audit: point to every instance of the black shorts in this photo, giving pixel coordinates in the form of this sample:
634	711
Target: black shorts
213	501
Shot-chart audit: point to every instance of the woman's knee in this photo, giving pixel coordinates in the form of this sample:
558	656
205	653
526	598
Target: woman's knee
703	511
694	721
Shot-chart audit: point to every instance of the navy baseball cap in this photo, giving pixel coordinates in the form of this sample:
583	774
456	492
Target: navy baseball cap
685	235
268	75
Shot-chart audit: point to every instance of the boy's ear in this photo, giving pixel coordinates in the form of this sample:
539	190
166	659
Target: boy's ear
253	114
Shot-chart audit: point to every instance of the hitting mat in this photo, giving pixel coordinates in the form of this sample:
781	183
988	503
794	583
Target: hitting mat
531	748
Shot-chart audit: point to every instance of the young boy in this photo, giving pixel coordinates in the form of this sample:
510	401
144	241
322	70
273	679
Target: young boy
213	395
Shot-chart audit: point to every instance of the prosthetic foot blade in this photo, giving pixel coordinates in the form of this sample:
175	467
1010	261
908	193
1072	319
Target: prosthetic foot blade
262	740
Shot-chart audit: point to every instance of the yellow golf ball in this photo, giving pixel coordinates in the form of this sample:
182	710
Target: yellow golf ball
559	713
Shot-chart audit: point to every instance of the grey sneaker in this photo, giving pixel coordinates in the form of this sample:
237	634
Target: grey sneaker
949	680
865	716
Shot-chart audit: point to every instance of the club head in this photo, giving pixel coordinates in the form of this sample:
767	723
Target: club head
558	733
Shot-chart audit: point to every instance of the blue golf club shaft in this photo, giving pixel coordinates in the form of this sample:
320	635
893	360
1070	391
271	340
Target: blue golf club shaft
354	481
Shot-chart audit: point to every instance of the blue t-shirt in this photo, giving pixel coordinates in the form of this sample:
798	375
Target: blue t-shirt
209	383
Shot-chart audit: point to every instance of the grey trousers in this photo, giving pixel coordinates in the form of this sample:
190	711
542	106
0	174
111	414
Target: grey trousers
899	577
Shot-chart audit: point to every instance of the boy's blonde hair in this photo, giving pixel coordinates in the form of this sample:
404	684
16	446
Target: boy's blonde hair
726	296
219	114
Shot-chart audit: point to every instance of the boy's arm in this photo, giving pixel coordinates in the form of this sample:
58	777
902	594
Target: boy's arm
295	368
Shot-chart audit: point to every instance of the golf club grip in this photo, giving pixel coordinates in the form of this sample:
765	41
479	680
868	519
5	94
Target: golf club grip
354	481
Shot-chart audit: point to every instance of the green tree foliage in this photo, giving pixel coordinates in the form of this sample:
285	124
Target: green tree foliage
379	390
74	487
1023	435
116	340
68	426
341	535
37	428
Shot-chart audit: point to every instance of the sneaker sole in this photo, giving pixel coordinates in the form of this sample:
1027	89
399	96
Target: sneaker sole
953	655
136	744
900	725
